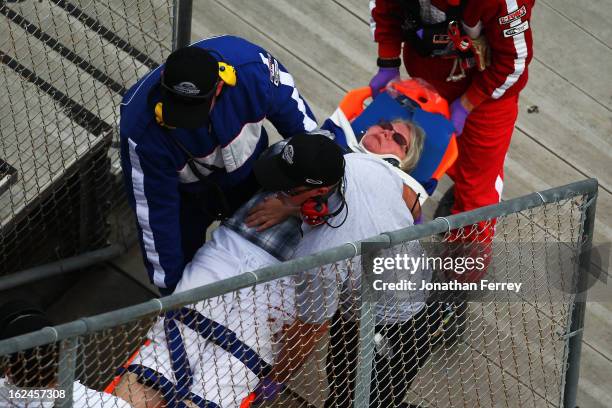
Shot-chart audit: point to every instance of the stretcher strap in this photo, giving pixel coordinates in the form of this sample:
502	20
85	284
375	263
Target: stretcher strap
178	357
223	337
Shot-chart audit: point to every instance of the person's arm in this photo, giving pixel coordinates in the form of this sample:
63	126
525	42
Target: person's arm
386	27
412	202
271	211
508	33
298	342
285	107
152	184
316	303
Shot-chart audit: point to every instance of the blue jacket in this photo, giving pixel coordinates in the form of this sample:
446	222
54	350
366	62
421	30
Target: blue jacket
155	169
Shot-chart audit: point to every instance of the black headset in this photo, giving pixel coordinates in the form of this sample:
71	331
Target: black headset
315	211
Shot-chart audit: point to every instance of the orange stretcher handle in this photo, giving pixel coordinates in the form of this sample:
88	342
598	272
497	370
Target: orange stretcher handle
429	100
113	384
352	103
423	94
449	158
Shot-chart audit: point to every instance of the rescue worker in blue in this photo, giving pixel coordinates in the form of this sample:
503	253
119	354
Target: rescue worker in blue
190	132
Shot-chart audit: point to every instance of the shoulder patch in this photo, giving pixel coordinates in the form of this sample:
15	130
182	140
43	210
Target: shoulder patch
512	31
274	71
515	15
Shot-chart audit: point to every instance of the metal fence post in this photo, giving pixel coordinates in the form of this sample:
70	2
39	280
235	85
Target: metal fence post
181	23
367	326
66	370
572	374
366	355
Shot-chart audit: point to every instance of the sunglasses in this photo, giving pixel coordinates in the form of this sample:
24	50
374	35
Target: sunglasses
396	136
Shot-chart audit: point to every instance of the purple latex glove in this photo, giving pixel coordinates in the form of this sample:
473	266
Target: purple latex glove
382	78
458	115
267	390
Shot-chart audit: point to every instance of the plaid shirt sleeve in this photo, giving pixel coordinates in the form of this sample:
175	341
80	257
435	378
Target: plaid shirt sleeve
279	241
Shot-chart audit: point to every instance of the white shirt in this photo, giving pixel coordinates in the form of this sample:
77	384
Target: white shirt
255	314
373	192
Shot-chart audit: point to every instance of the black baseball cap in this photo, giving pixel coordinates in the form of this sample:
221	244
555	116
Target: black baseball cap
188	83
312	160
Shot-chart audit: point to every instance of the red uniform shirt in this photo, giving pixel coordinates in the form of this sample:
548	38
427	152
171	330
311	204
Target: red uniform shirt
505	24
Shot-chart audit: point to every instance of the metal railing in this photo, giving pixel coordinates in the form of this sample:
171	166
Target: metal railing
496	349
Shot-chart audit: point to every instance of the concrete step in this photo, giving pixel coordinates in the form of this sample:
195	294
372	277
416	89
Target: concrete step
79	86
66	33
145	24
37	139
449	381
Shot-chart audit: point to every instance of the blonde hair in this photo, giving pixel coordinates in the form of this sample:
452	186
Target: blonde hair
417	141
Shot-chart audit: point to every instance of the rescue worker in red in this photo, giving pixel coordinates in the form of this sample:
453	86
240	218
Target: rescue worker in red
445	43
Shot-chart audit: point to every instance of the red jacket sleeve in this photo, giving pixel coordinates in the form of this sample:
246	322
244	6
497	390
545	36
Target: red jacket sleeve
507	27
386	27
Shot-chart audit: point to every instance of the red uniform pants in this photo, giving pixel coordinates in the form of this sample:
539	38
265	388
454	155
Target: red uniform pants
478	172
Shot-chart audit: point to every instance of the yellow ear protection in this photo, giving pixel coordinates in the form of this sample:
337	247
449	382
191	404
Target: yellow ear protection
227	74
159	116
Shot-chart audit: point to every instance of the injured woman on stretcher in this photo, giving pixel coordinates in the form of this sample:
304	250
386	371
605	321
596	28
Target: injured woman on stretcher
214	353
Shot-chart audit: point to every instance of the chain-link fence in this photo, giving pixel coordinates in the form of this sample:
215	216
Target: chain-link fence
64	66
326	324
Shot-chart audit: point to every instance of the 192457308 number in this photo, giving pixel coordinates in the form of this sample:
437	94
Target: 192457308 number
35	393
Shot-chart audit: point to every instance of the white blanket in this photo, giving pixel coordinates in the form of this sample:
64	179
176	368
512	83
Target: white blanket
255	314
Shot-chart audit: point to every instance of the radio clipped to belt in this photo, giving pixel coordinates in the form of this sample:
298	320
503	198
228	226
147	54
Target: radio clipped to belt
462	45
445	39
470	52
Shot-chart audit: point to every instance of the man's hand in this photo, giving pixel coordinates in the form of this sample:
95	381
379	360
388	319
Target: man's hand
382	78
271	211
460	109
267	390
